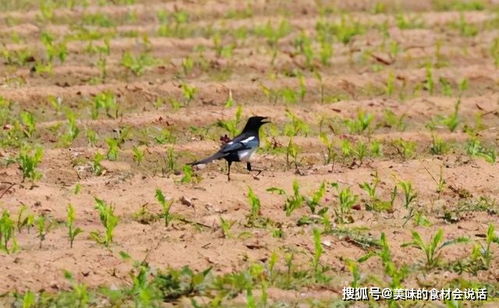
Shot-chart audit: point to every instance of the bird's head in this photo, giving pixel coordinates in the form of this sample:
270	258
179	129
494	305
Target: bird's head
255	122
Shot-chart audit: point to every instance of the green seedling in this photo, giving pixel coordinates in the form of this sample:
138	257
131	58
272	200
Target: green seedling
187	65
28	123
409	193
404	148
165	206
106	100
72	231
274	34
433	248
482	252
440	181
23	221
137	64
231	126
391	120
405	22
330	155
54	50
28	160
293	201
72	129
429	83
396	275
292	151
475	148
360	124
438	146
113	148
353	267
464	27
91	136
452	121
230	101
97	168
138	155
318	251
108	219
43	225
295	126
303	45
188	175
188	91
346	200
170	162
226	226
8	242
255	207
316	198
390	84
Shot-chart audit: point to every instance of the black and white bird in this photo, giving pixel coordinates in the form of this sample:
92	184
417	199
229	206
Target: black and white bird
241	148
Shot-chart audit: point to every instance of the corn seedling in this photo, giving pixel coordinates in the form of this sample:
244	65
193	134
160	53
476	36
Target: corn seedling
292	151
231	125
226	226
396	274
188	175
404	148
316	198
293	201
8	242
188	91
106	100
433	248
255	207
429	83
43	225
318	251
72	130
28	160
137	64
91	136
112	148
475	148
138	155
72	231
170	162
330	155
97	168
346	200
165	206
391	120
359	124
27	221
28	123
108	219
482	252
230	101
295	126
409	193
440	181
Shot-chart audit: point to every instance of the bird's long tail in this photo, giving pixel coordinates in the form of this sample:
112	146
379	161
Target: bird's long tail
208	159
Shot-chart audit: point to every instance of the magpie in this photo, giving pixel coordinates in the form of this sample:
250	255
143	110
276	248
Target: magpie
241	147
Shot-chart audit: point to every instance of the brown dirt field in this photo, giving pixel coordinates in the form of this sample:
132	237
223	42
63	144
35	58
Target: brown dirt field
408	76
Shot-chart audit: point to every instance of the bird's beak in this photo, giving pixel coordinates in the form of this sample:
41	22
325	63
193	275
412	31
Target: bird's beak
266	120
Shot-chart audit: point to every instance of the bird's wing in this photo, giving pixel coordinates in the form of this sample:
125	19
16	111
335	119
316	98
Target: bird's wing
241	142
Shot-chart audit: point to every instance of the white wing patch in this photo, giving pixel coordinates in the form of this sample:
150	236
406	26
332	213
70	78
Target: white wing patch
246	154
248	139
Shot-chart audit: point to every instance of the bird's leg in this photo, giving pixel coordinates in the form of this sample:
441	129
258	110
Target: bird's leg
228	170
248	166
